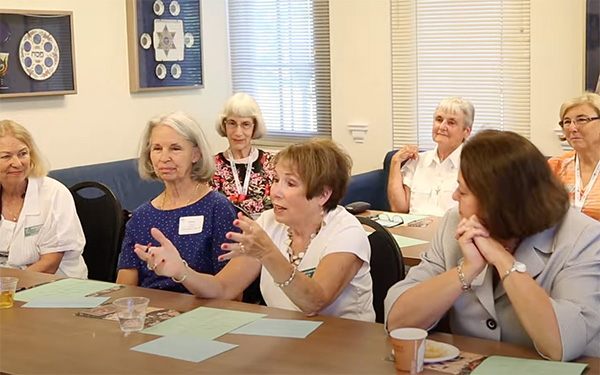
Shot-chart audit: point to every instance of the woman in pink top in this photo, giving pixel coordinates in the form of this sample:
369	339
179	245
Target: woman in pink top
579	169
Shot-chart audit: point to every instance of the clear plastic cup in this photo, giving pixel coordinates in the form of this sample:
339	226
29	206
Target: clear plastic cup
8	286
132	313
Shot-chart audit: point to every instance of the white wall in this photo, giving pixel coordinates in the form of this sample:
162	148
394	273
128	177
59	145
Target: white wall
361	75
361	71
104	120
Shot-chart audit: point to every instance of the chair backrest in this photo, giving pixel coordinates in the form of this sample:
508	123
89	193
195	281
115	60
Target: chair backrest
387	265
103	221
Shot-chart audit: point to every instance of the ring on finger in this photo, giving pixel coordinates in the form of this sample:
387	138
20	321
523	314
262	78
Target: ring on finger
148	249
242	250
151	268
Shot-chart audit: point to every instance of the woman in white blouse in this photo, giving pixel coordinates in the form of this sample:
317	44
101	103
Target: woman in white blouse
311	254
424	185
39	227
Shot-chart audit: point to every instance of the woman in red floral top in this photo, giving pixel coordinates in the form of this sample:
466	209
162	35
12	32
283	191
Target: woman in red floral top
241	121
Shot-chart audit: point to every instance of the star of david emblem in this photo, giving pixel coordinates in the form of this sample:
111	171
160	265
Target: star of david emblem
166	40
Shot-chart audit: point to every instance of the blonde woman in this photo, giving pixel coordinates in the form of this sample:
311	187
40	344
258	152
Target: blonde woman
39	227
579	169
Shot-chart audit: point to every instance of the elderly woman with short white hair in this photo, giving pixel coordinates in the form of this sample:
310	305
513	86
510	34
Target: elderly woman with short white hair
174	150
425	183
244	174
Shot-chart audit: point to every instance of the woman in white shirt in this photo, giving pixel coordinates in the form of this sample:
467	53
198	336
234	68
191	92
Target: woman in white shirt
311	254
424	185
39	227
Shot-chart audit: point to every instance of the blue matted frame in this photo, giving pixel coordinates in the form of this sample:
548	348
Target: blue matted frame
592	46
14	26
165	46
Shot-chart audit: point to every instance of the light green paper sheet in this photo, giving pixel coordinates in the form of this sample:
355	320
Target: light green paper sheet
63	288
519	366
204	322
66	302
407	241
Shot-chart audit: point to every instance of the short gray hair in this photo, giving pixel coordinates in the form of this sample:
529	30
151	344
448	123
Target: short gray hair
455	104
202	171
242	105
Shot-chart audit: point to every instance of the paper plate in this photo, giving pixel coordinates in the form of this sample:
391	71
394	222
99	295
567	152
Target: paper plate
439	351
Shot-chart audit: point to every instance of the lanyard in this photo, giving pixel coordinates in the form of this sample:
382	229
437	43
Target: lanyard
241	190
579	200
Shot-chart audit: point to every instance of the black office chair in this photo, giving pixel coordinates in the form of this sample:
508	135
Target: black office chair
102	219
387	265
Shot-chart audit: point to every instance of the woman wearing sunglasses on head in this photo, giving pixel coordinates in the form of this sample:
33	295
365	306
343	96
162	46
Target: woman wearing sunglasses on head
579	169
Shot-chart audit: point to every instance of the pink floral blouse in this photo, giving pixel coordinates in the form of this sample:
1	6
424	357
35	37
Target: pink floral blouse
258	198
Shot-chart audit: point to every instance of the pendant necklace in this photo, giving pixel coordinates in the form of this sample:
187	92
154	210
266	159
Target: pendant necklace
162	206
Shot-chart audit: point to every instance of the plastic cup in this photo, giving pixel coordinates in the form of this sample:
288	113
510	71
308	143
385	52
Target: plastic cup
8	286
132	313
409	349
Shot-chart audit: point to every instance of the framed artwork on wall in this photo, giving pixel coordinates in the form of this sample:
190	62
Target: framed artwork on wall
592	46
36	53
165	45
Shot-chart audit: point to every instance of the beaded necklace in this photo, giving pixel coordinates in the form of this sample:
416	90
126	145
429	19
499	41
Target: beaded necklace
297	259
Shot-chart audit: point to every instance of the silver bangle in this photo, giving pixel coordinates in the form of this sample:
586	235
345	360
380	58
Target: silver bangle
288	281
184	276
461	277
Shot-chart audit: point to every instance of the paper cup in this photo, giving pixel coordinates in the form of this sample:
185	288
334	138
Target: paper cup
409	349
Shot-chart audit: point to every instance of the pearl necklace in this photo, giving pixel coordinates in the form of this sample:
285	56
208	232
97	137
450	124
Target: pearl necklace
297	259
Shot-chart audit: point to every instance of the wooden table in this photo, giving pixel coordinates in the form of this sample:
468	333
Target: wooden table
411	253
44	341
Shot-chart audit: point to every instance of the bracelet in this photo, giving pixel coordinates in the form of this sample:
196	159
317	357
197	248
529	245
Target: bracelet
288	281
184	276
461	277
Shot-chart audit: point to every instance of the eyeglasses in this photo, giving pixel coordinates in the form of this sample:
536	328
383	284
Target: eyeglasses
246	125
388	220
579	121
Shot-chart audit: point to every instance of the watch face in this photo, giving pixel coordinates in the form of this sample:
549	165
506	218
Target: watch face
520	267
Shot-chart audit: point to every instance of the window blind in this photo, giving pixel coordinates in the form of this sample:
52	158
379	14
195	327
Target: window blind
476	49
280	56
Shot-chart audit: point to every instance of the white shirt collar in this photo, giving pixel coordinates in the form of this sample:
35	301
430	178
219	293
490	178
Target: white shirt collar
454	157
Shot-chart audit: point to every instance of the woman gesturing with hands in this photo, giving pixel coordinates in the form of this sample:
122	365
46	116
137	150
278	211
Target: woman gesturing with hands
514	263
310	253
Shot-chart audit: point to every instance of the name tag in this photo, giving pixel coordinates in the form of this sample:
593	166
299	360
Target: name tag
32	231
191	225
309	272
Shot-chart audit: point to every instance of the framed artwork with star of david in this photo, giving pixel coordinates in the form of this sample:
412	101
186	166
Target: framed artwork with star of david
165	45
36	53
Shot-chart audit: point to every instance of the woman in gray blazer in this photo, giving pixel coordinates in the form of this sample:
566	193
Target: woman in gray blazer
513	263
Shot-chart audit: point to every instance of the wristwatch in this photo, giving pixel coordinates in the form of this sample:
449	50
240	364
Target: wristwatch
518	267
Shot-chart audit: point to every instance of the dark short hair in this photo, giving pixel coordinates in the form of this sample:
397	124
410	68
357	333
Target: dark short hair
319	163
518	194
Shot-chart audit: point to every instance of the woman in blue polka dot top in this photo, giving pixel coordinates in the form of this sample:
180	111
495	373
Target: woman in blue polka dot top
174	150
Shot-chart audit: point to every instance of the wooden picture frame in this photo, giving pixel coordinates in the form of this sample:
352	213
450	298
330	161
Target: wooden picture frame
592	46
164	45
37	53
